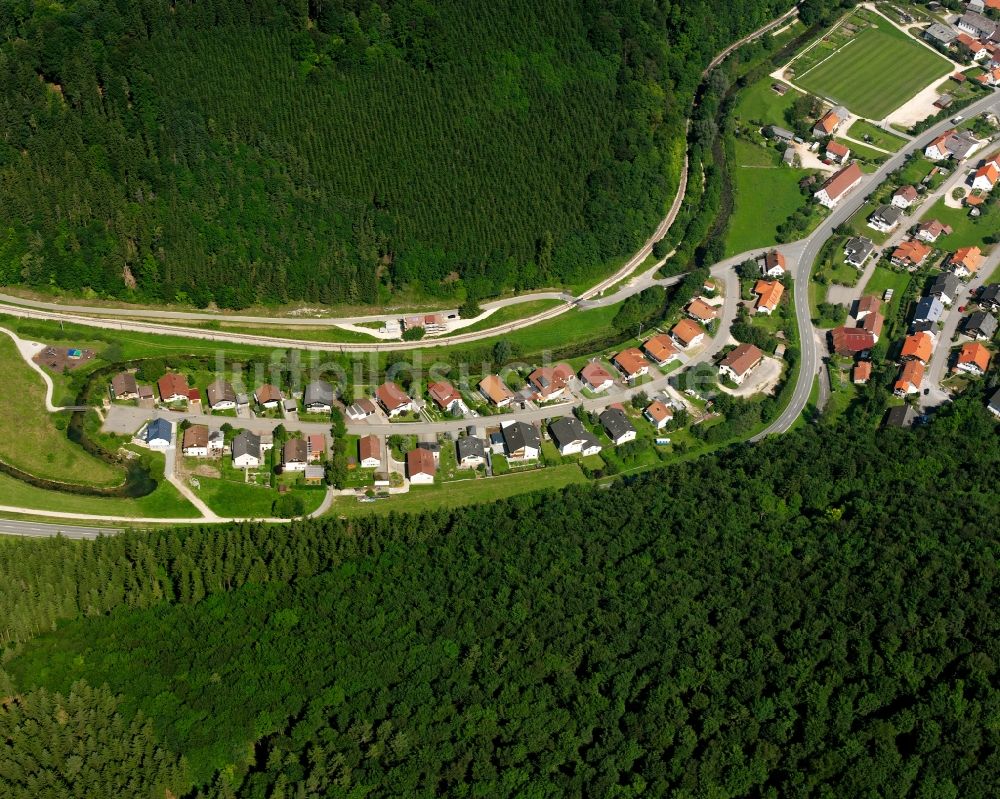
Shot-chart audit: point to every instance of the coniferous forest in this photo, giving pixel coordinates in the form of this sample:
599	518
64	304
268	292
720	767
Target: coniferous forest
341	151
813	616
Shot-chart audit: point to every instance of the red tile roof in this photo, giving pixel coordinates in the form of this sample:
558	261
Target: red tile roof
171	385
851	340
630	361
919	346
660	347
420	461
593	374
443	393
838	149
742	359
370	447
842	181
862	371
686	331
769	292
391	396
974	353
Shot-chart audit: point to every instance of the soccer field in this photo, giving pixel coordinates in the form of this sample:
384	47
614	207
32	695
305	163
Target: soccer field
875	72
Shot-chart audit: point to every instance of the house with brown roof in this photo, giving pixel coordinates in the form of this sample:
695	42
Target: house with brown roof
660	349
911	376
267	396
869	303
596	377
838	185
447	398
295	455
740	362
361	410
861	373
173	387
315	447
393	399
973	359
550	382
687	333
904	197
851	340
873	323
631	363
659	414
195	442
370	452
772	264
124	387
965	261
495	390
931	230
221	396
420	466
768	295
918	347
701	311
910	254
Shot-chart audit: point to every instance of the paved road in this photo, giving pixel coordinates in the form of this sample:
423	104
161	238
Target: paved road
47	530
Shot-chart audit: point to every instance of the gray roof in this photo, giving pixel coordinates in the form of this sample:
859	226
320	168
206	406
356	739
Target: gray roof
929	309
944	284
780	133
567	430
995	402
318	392
900	416
977	22
519	435
940	33
961	144
616	423
159	428
789	155
470	447
990	294
858	247
246	443
220	391
981	323
888	214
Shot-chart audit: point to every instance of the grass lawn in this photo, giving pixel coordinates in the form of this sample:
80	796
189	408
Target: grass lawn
246	500
759	103
509	313
884	278
34	440
876	136
465	492
967	231
860	151
856	74
766	194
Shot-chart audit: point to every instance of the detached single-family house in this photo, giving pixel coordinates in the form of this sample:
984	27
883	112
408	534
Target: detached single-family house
910	253
768	295
861	373
572	438
868	304
900	416
659	414
124	387
295	455
851	340
393	399
267	396
931	230
596	377
420	466
971	48
953	144
195	443
700	311
945	287
447	398
772	264
904	197
521	441
687	333
550	382
980	325
370	452
159	434
631	363
991	77
911	376
470	452
173	387
836	187
929	309
965	261
828	124
884	218
246	450
216	442
989	298
495	390
918	347
617	425
940	35
973	358
857	250
221	396
660	349
361	410
318	397
986	177
837	152
740	362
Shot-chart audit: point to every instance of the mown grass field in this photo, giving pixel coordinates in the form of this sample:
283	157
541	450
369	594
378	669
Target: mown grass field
760	103
967	231
876	136
875	72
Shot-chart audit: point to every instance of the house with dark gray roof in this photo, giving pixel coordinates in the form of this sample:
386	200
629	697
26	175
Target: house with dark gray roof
945	287
980	325
989	297
318	397
857	250
994	405
521	441
471	452
572	438
617	425
977	25
900	416
246	450
884	218
939	34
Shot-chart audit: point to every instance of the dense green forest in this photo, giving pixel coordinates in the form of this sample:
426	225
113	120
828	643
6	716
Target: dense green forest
813	616
337	151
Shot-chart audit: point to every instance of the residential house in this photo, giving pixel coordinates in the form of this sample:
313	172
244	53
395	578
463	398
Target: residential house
433	447
979	6
393	399
965	262
918	347
660	349
173	387
931	230
781	134
973	358
659	414
193	399
739	362
551	382
596	377
857	250
940	35
911	376
420	466
470	452
768	295
370	452
495	390
827	124
837	152
868	304
851	340
195	442
910	254
145	394
904	197
221	396
900	416
884	218
631	363
873	323
953	144
318	397
977	25
521	441
687	333
945	287
572	438
295	455
836	187
617	425
315	447
986	177
772	264
267	396
994	404
159	434
971	48
124	387
989	298
861	373
701	311
980	325
447	398
246	449
431	323
361	410
216	442
929	309
991	77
